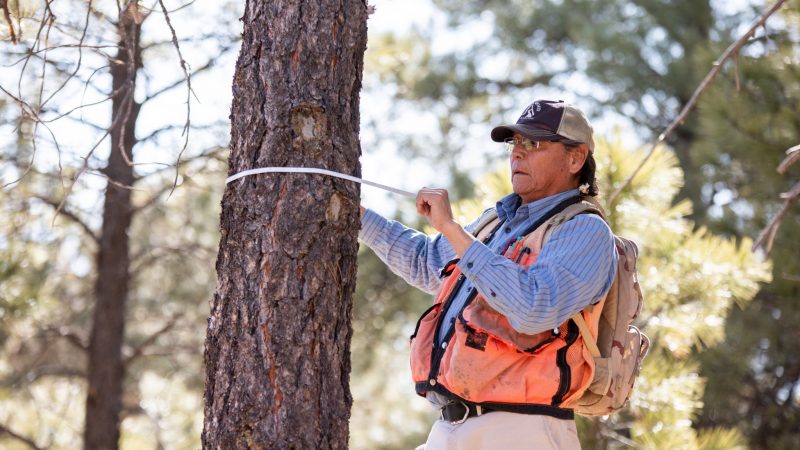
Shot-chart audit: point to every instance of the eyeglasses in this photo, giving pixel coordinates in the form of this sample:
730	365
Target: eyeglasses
526	144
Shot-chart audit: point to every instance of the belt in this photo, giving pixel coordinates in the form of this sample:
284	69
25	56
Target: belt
458	412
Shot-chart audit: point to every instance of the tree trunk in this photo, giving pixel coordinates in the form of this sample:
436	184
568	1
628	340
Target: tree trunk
277	351
106	368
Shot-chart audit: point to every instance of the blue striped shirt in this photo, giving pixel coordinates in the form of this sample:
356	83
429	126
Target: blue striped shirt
575	268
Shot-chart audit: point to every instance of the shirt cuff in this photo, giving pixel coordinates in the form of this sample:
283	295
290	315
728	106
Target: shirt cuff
475	259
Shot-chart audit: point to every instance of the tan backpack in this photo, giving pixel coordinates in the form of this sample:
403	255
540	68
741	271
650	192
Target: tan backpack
620	346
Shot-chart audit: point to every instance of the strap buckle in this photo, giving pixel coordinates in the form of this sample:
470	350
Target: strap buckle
478	410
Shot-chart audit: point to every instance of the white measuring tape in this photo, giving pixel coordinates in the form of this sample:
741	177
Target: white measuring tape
319	171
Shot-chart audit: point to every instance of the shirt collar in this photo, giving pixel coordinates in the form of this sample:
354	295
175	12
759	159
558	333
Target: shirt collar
511	205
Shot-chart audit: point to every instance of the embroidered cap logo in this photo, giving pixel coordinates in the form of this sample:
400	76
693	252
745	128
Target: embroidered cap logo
530	111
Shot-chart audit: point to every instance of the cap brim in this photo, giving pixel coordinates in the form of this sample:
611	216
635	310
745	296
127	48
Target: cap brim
503	132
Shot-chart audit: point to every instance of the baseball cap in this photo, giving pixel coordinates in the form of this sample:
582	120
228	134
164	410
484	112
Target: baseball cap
549	120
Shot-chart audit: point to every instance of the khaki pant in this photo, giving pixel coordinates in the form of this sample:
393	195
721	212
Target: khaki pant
504	431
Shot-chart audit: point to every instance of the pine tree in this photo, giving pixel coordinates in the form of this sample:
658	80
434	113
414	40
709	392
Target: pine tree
278	345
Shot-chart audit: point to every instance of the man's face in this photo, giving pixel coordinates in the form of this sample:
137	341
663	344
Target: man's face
537	173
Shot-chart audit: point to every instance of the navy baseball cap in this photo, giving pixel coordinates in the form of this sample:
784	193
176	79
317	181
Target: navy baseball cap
549	120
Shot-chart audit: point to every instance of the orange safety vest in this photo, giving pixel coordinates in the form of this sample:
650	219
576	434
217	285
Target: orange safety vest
483	360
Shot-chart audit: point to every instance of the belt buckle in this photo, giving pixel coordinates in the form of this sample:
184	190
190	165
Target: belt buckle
461	420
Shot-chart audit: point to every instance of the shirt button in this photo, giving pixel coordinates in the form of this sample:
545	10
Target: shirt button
432	382
469	265
508	229
492	294
444	344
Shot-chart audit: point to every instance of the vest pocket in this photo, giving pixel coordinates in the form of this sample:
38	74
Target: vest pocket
479	367
480	316
421	342
424	315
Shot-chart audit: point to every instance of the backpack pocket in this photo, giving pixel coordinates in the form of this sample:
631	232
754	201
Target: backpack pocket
615	375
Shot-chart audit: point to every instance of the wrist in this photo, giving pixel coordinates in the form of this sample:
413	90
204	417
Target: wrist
451	227
458	237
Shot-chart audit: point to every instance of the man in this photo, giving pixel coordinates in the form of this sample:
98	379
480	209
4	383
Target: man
497	352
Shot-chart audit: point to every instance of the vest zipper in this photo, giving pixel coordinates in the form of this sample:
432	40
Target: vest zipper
563	366
438	352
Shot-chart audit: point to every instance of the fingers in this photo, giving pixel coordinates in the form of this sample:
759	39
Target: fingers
434	204
422	206
429	198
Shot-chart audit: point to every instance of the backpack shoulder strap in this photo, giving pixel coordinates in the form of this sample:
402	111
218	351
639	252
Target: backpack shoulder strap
486	226
591	206
586	205
588	339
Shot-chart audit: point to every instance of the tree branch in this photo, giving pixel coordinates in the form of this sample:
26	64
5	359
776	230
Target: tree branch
792	156
171	127
71	337
145	259
733	49
213	152
52	370
69	215
9	22
208	65
767	236
216	36
189	93
139	349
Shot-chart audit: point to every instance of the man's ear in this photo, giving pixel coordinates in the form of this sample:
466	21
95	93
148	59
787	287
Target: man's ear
577	157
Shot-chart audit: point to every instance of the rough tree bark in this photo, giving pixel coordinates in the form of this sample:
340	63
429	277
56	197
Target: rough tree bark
277	351
106	367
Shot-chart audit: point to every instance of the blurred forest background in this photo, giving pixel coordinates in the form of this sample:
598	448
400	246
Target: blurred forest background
724	368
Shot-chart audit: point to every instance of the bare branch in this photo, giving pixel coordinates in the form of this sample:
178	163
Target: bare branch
208	65
69	215
82	169
767	236
171	127
732	50
52	370
85	166
792	156
77	66
9	22
87	83
100	15
189	93
71	337
198	38
28	111
150	256
83	121
27	441
185	5
100	173
213	153
790	277
31	53
139	349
